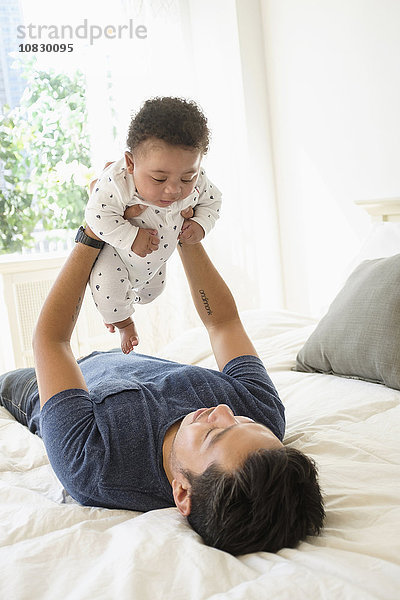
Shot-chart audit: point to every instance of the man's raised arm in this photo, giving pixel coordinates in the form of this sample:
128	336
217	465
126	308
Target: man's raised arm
55	364
215	305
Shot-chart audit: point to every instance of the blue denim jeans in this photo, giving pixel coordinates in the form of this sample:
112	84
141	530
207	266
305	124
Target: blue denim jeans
20	396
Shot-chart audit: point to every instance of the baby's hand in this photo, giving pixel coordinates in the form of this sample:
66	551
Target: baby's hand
191	232
134	211
187	213
146	242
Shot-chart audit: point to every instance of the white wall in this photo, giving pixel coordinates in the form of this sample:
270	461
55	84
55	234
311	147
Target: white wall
256	164
212	52
334	84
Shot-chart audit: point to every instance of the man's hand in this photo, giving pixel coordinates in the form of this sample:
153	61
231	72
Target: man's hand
134	211
191	232
91	233
146	242
92	183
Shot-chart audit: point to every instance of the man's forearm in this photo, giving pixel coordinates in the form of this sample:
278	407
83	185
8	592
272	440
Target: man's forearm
211	296
55	364
62	306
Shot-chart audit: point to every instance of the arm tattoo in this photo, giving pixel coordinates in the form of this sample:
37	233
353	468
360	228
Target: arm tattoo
204	300
77	309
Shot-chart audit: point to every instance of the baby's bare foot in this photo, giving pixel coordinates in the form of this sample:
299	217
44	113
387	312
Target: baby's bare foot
110	327
129	338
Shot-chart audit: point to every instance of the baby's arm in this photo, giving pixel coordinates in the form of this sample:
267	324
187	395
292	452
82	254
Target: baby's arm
105	216
207	210
146	241
191	232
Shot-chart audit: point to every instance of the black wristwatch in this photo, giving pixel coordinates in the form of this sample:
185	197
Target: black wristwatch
88	241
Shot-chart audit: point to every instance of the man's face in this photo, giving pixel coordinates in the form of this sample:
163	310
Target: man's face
163	173
216	435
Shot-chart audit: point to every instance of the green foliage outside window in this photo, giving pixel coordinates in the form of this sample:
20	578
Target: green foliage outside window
44	151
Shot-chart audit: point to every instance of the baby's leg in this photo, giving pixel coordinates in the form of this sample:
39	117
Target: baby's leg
128	333
151	288
113	295
142	295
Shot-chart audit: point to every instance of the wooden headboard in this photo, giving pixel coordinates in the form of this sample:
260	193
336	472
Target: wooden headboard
382	209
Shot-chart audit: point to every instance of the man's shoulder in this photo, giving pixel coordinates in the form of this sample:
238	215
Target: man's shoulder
244	363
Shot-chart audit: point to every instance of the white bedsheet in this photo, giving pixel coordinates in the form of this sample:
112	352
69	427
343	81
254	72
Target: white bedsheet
52	548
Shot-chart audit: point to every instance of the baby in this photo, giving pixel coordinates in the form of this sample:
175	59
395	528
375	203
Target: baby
141	204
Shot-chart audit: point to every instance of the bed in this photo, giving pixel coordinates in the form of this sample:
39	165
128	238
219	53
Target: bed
53	548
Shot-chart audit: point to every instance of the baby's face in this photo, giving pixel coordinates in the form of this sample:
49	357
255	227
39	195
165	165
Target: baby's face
163	173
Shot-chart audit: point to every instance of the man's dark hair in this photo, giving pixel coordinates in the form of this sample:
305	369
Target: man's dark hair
177	121
271	502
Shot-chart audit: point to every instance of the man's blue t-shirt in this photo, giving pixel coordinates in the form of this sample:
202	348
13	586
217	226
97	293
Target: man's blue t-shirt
105	446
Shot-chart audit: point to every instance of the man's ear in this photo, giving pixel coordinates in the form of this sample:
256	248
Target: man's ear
181	491
129	162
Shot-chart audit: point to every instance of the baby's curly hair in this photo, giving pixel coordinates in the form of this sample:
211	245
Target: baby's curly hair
177	121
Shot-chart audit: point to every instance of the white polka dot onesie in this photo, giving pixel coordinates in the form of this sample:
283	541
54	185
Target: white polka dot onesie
120	278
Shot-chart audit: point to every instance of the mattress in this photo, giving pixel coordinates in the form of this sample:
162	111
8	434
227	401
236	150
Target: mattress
53	548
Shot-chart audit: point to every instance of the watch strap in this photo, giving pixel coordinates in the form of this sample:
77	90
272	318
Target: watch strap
83	238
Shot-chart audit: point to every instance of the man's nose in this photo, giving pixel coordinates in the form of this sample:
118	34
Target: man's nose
221	415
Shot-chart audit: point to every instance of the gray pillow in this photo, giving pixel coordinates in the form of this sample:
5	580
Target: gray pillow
359	337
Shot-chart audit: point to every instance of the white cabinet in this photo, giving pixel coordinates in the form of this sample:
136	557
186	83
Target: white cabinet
24	285
25	282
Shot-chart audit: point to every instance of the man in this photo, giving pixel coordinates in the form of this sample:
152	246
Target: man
141	433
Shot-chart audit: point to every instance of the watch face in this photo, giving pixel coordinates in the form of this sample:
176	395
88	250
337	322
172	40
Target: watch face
80	234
